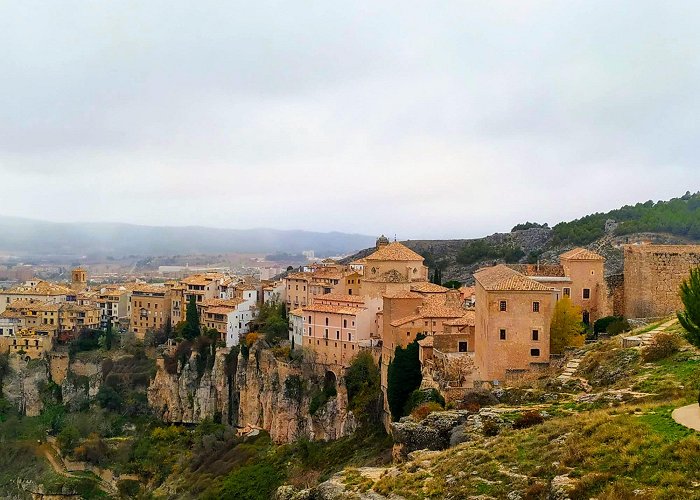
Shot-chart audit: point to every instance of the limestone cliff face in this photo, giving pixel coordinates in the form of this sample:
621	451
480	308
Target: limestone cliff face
253	391
30	382
268	399
185	397
23	385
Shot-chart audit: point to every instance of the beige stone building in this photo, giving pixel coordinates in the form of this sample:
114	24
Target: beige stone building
42	291
150	308
513	315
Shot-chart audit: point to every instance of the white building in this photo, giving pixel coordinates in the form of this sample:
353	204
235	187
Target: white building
296	328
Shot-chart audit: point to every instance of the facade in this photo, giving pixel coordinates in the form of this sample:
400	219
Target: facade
296	328
230	317
392	267
150	308
114	305
336	326
512	319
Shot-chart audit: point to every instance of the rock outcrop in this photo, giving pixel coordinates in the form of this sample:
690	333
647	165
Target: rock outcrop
261	391
24	383
187	396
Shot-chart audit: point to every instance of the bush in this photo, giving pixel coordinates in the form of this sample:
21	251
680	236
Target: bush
662	346
528	419
404	377
420	397
362	381
128	488
601	325
618	327
108	398
425	409
294	388
252	482
491	428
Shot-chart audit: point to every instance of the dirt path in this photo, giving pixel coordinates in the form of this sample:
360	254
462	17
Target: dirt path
46	451
689	416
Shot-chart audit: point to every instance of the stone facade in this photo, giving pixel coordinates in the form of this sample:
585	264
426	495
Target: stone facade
653	274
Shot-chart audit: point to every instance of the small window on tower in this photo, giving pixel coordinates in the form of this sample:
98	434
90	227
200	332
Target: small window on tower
502	334
536	307
503	306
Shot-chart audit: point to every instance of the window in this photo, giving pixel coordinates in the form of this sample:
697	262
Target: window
408	334
309	319
534	352
349	337
326	321
309	330
503	306
462	347
535	335
567	292
345	323
502	334
535	307
337	334
586	293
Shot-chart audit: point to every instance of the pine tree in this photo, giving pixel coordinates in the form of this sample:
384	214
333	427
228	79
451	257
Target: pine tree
191	330
566	328
690	317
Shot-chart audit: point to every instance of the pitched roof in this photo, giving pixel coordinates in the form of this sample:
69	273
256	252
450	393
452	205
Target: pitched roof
581	254
41	288
427	287
326	308
503	278
394	251
403	294
469	319
339	297
542	270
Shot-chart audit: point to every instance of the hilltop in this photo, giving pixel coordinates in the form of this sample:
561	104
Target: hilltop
676	221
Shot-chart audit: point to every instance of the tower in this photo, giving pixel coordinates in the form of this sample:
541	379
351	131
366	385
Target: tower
78	279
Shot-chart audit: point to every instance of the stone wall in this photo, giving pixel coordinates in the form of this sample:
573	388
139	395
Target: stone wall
616	293
652	276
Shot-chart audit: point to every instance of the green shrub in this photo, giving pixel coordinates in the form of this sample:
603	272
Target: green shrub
528	419
490	428
362	380
422	396
294	388
601	325
618	327
253	482
404	376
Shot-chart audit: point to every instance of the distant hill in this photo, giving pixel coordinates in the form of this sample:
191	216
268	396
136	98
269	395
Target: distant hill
676	221
20	236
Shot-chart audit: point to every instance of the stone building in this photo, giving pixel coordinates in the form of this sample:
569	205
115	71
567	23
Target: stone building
150	308
513	315
42	291
652	276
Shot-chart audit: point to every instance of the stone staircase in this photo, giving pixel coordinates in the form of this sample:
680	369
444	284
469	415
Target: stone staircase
569	370
644	339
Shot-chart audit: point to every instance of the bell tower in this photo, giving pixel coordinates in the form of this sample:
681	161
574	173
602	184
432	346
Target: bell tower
78	279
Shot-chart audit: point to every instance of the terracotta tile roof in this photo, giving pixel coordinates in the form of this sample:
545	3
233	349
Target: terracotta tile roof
12	314
339	297
222	303
141	288
440	311
359	262
325	308
299	276
503	278
219	310
469	319
41	288
197	279
395	251
23	304
427	287
406	319
581	254
467	290
297	312
426	342
541	270
403	294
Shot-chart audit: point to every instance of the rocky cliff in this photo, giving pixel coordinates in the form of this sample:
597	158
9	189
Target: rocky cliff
276	396
187	396
255	390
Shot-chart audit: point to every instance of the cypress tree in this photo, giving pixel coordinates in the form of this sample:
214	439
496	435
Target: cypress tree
191	330
403	378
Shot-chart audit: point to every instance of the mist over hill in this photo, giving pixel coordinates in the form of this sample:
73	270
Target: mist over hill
33	237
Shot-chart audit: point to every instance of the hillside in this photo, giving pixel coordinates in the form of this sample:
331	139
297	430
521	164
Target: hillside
33	237
607	433
675	221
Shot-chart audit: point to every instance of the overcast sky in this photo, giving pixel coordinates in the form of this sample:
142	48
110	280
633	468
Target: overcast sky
421	119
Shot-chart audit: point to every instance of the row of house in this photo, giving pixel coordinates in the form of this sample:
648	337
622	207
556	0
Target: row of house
498	329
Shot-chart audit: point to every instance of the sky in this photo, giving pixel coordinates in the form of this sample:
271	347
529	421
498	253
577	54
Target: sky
420	119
